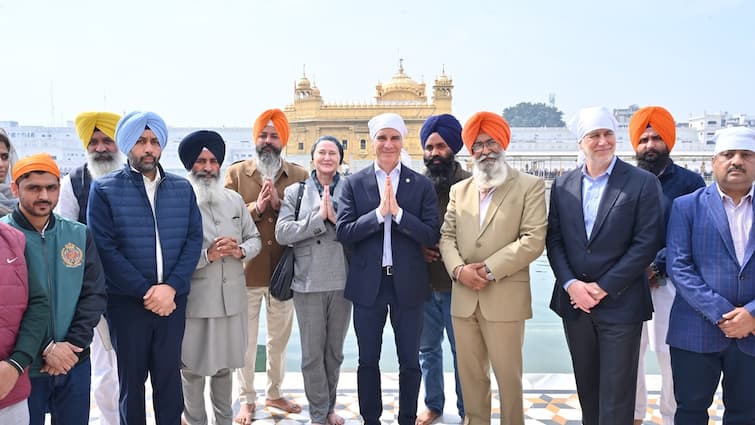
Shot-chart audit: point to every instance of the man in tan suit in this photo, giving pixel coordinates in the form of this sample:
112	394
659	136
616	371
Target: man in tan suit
495	226
261	183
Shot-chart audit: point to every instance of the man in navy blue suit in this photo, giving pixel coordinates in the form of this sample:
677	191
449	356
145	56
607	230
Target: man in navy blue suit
604	228
710	247
387	212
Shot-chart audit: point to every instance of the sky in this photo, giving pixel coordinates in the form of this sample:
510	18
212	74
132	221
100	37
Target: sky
222	62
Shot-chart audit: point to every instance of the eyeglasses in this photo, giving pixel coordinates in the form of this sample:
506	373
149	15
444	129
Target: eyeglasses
480	146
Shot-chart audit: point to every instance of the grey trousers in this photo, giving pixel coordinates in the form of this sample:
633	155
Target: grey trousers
17	414
324	319
221	385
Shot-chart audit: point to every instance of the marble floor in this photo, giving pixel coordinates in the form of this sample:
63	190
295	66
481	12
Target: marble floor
548	399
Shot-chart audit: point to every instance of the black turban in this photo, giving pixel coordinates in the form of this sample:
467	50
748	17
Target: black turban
191	146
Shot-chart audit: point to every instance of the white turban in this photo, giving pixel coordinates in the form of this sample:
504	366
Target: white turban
589	119
387	120
734	139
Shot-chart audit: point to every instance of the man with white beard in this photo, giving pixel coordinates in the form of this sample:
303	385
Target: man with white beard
214	340
494	227
261	182
96	131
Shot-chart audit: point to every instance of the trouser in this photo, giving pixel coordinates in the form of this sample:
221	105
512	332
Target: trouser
280	317
105	375
146	343
369	322
65	397
667	402
605	357
481	343
17	413
221	387
323	322
437	319
696	377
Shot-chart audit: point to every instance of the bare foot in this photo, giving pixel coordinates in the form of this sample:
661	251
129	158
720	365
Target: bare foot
283	404
427	417
246	413
334	419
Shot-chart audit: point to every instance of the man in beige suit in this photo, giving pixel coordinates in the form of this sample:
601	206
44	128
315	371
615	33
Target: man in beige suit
494	227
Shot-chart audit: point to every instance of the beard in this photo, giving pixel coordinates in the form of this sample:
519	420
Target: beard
268	161
652	160
141	166
103	163
489	174
207	187
441	173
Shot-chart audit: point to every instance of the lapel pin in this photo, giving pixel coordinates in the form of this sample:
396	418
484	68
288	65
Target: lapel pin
408	180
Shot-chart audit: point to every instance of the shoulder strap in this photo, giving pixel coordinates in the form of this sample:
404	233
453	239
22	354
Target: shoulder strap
298	200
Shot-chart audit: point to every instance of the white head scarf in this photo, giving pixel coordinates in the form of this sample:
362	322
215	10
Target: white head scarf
589	119
387	120
734	139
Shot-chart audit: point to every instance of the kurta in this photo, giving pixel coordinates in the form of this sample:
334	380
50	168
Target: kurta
216	316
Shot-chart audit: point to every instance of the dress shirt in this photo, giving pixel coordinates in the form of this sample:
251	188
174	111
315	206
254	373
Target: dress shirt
380	176
740	221
151	187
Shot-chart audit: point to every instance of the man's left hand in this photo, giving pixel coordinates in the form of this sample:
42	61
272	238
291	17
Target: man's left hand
159	299
8	377
737	323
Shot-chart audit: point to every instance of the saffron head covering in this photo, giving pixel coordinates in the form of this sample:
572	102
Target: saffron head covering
734	139
589	119
86	122
656	117
132	125
191	147
279	121
489	123
447	126
38	162
387	120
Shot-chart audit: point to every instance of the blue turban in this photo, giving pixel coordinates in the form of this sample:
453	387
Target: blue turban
192	145
447	126
131	127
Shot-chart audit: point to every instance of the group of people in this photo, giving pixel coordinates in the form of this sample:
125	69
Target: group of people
119	271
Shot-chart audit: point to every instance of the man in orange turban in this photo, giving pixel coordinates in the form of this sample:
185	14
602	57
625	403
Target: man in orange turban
652	132
494	227
261	182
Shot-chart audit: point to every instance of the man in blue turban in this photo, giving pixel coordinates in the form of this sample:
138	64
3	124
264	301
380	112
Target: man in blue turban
441	140
148	230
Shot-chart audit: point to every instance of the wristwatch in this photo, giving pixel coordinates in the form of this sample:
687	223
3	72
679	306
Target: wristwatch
490	273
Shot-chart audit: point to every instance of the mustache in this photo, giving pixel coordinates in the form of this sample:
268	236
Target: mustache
205	174
735	168
42	203
489	155
102	156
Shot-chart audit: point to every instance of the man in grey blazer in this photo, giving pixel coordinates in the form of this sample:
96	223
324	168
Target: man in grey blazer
216	310
604	228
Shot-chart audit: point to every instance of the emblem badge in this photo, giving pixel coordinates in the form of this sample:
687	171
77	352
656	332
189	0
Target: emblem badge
71	255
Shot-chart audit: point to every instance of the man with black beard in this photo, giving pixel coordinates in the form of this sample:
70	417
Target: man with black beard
261	183
96	131
216	308
652	132
441	140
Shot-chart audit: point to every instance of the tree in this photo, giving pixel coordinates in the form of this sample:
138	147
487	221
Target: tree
527	114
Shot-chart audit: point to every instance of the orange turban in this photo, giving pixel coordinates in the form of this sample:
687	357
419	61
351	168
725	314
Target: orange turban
38	162
86	122
658	118
279	122
489	123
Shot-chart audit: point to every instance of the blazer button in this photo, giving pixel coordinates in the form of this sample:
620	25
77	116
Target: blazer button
269	243
589	251
318	242
270	219
478	245
741	277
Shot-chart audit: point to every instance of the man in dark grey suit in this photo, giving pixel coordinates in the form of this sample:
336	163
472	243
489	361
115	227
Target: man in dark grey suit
604	228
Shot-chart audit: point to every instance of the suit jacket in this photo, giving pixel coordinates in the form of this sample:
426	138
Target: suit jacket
511	237
218	289
319	260
708	277
244	177
357	225
625	238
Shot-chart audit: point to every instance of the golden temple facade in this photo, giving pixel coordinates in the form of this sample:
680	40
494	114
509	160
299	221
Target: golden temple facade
309	117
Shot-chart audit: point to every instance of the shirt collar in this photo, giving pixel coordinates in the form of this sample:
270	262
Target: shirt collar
725	196
608	171
379	170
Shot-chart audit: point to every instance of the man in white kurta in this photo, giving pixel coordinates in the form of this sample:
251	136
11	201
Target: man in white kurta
216	313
